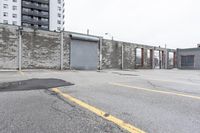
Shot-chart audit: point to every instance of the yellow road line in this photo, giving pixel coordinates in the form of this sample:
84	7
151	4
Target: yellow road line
179	82
99	112
157	91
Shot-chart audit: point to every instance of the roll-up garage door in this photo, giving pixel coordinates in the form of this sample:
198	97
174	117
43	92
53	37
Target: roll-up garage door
84	52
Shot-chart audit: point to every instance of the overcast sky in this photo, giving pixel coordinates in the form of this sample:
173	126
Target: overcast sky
175	23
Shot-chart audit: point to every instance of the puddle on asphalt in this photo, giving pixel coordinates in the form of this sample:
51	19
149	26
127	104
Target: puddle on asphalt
33	84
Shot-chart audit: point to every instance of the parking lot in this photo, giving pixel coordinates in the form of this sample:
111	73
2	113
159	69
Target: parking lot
161	101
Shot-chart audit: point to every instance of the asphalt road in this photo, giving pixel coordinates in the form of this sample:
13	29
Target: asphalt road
161	101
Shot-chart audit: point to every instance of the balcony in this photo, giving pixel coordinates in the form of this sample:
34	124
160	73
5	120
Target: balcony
35	22
34	13
41	1
35	6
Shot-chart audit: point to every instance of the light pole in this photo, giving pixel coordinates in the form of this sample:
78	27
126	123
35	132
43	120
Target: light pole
108	34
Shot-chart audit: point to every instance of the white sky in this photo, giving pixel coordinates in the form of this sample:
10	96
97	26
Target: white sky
150	22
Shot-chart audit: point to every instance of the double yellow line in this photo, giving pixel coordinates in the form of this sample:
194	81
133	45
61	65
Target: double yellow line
100	113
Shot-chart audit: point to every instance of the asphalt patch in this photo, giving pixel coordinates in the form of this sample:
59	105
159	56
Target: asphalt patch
33	84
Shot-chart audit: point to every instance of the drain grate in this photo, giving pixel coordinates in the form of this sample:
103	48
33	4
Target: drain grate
33	84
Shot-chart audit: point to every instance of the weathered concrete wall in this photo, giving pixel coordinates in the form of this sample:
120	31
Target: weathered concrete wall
66	50
129	56
8	47
185	52
111	54
40	49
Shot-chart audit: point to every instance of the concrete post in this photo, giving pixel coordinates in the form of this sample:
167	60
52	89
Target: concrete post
100	53
153	59
20	50
175	63
61	51
166	59
142	57
163	60
160	60
122	67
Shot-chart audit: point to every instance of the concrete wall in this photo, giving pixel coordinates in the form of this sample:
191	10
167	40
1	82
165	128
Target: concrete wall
111	54
128	56
40	49
8	47
51	50
66	50
185	52
118	55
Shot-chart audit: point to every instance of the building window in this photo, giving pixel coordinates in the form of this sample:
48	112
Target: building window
14	15
5	14
14	8
59	22
5	21
5	6
59	1
59	8
59	15
14	22
14	0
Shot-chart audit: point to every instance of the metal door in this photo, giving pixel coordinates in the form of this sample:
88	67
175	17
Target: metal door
84	55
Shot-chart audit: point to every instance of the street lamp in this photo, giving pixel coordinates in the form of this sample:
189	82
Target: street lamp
108	34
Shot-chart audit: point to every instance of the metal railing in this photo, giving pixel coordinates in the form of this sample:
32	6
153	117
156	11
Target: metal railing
34	13
35	6
33	21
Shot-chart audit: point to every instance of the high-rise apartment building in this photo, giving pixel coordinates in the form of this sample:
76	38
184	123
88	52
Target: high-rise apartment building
38	14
